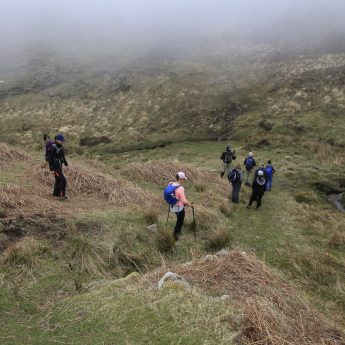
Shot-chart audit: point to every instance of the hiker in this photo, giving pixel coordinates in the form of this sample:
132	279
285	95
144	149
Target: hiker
227	157
47	144
259	188
249	164
236	177
260	168
56	158
175	196
269	172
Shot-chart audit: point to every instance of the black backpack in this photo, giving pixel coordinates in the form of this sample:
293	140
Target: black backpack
228	157
234	175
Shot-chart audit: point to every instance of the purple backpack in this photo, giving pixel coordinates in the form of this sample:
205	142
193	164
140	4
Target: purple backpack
48	147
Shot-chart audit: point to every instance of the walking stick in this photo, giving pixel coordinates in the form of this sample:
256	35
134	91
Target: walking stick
166	225
194	223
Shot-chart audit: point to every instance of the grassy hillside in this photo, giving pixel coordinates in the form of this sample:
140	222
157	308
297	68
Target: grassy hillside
110	106
53	253
85	271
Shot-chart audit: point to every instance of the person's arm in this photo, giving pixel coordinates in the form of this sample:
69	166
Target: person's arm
182	197
245	161
273	170
254	163
222	157
64	161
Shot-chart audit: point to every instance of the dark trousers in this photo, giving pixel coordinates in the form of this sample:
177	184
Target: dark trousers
256	197
236	188
179	223
60	183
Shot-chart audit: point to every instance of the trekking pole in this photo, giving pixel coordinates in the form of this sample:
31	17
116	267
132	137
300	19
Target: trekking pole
194	223
166	225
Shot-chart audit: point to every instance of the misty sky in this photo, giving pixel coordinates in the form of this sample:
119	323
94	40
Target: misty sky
80	22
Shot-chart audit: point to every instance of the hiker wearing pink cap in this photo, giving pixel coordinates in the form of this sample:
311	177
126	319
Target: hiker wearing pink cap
181	202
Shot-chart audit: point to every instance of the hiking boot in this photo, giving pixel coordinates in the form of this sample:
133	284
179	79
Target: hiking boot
222	175
248	206
62	198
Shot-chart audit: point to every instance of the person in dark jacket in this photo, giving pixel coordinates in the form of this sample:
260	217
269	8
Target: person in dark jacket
249	164
47	144
270	172
259	188
236	177
56	160
227	157
260	168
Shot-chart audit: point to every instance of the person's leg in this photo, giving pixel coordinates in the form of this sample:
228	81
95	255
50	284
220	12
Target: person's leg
63	184
247	176
235	192
252	198
179	223
270	179
223	170
258	200
228	169
56	185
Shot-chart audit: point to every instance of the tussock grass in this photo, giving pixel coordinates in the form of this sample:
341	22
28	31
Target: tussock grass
305	197
337	239
218	239
9	154
81	180
225	208
162	172
12	196
26	254
164	241
119	191
151	215
85	256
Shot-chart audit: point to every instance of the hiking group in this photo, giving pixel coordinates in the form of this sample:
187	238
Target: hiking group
262	176
174	193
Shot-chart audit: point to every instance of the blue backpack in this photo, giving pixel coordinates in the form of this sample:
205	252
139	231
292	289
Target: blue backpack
169	194
249	163
269	170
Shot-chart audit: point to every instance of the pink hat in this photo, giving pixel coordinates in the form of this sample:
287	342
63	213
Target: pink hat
181	175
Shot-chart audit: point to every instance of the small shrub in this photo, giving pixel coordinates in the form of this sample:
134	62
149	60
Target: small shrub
337	239
225	209
17	256
85	256
128	260
26	254
151	215
164	241
305	197
218	239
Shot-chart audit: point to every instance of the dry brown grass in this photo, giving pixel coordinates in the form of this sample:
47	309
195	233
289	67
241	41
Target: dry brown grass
337	239
275	314
9	154
162	172
118	192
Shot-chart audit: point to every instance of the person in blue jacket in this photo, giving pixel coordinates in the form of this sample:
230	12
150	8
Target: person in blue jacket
269	173
249	164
